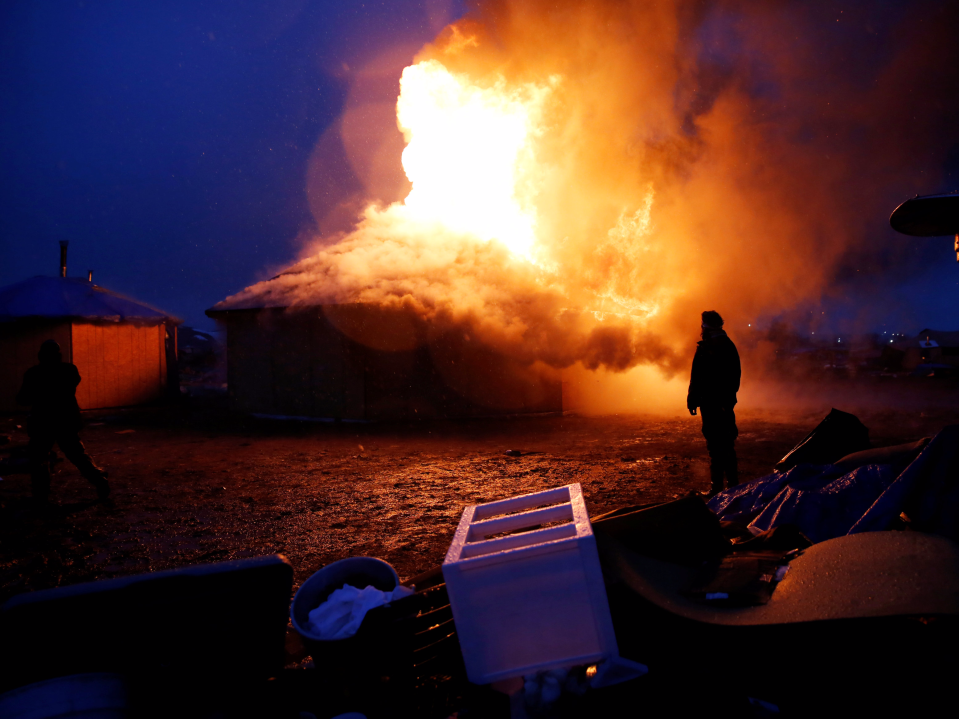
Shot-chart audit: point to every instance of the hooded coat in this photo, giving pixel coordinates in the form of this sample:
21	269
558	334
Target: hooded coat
50	390
716	372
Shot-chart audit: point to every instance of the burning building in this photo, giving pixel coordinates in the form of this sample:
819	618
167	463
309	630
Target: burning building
364	362
571	188
125	350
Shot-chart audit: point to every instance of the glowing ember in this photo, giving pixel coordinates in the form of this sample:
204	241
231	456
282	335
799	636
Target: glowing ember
468	153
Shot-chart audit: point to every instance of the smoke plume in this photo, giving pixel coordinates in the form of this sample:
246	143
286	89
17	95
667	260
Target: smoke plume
670	157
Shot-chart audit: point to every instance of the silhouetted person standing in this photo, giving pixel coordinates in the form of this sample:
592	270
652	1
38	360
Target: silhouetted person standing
50	389
713	385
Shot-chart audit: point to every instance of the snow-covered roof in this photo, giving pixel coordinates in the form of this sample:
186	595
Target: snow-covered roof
73	298
298	285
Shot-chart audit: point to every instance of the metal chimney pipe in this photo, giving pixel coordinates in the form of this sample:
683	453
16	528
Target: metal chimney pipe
89	275
63	257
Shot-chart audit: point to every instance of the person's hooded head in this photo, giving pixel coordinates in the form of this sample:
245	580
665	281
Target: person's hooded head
50	353
712	324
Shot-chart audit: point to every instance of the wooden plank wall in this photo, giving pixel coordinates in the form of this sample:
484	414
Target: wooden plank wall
119	364
19	345
356	362
292	363
249	367
337	383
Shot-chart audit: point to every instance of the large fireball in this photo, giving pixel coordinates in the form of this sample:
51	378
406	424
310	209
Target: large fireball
469	154
588	177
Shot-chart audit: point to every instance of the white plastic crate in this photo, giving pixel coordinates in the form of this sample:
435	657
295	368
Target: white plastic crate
526	599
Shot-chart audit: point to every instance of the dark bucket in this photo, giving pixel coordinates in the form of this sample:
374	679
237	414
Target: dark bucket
354	655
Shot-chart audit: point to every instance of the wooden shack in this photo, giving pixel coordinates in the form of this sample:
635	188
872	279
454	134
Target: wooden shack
124	349
363	362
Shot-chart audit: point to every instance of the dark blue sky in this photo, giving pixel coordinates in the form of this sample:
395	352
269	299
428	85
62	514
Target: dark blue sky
170	141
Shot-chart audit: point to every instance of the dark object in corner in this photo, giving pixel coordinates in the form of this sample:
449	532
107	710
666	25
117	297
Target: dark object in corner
839	434
928	216
845	607
220	627
685	531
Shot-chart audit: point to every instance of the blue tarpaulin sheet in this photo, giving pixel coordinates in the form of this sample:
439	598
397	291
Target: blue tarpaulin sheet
826	502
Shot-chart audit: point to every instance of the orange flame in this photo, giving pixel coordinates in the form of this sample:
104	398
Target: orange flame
587	178
469	155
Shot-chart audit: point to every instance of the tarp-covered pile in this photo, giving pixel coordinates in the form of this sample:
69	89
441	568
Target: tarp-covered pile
865	491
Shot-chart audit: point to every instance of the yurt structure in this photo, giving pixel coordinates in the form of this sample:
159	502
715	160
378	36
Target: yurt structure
125	350
366	362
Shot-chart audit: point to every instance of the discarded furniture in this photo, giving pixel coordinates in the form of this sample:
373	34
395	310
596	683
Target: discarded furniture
526	588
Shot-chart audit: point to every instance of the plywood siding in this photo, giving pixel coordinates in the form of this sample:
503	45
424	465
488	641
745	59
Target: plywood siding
19	344
249	364
291	363
356	362
119	364
338	385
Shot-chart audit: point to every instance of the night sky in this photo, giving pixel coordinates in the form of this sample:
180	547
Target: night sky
170	142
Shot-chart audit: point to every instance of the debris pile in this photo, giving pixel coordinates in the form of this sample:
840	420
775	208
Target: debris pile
826	493
541	611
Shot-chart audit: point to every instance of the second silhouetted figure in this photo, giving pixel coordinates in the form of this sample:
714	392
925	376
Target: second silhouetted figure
49	389
713	385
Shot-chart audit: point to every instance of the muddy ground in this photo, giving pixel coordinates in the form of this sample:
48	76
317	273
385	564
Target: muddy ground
196	483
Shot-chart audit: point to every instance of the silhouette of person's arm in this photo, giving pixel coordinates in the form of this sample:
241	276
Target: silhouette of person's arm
74	377
695	382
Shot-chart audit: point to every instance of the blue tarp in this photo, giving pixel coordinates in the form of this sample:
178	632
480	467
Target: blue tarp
825	502
72	297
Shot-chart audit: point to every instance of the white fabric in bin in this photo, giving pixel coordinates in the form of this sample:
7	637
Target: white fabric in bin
342	613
